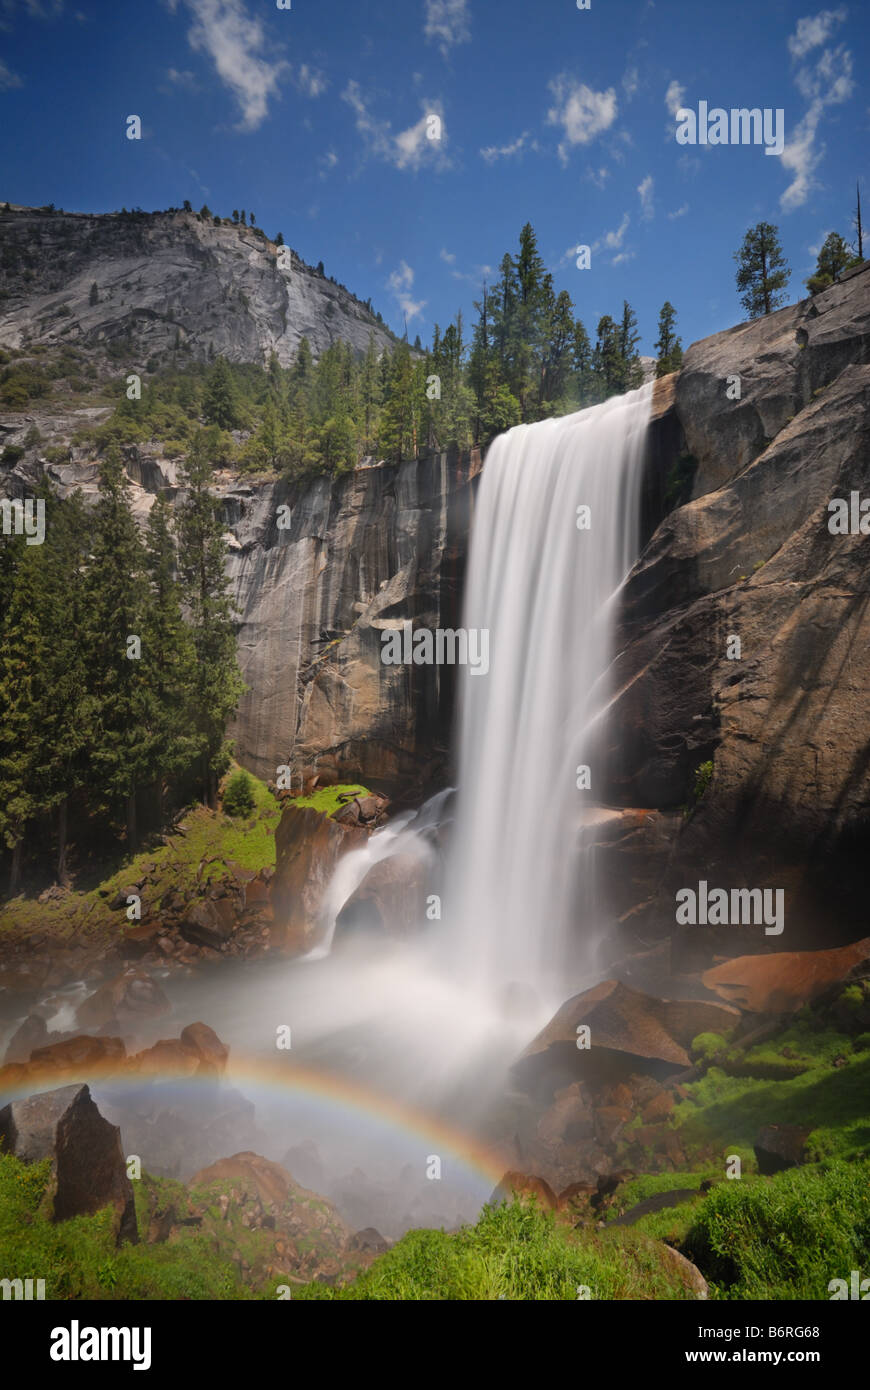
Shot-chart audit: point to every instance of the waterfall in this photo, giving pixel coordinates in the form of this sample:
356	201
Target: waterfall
545	589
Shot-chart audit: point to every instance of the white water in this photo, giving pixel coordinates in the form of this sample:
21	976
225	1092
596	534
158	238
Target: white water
545	590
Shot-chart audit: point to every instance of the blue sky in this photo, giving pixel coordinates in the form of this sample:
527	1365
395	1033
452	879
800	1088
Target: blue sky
316	117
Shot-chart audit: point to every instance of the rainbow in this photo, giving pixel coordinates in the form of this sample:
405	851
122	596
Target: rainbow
278	1076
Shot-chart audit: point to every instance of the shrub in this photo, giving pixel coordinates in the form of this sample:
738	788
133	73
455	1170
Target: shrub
239	797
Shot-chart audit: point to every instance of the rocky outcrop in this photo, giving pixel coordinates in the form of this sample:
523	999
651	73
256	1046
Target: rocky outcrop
307	845
87	1161
362	553
168	281
749	557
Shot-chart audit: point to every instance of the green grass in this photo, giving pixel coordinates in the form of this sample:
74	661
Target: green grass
514	1252
79	1259
326	799
784	1237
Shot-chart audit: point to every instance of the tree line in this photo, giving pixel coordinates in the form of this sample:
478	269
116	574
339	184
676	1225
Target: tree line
118	668
528	356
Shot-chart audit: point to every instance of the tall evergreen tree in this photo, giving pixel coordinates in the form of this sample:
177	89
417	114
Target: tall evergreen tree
115	597
220	404
669	349
762	271
218	685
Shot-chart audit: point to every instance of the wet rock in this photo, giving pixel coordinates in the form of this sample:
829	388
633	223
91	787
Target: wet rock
210	922
207	1046
784	981
308	845
527	1188
368	1242
780	1146
627	1028
30	1034
87	1160
391	897
128	997
79	1056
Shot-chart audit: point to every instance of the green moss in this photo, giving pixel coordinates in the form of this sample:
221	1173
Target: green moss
328	800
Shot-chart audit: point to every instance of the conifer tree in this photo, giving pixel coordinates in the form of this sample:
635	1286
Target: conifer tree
115	599
762	272
669	349
217	686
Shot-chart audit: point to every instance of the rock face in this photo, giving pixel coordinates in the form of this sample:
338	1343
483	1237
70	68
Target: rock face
167	280
362	554
749	555
88	1168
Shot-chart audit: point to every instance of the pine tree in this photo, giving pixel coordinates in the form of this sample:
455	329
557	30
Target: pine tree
858	224
762	272
168	656
834	257
218	685
94	296
583	365
370	396
220	403
607	360
669	349
115	598
556	366
631	371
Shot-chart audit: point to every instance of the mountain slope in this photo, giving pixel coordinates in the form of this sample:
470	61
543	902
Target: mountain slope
167	280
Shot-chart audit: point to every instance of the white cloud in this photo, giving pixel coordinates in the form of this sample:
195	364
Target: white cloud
813	31
401	282
8	78
613	240
674	97
828	82
645	193
581	112
310	81
623	256
680	212
598	176
448	22
411	148
630	82
447	256
185	79
494	152
234	41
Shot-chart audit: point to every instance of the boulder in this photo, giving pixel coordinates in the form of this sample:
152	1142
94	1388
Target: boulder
28	1035
208	1048
87	1161
780	1146
128	997
368	1242
391	897
81	1056
210	922
784	981
308	845
527	1188
646	1033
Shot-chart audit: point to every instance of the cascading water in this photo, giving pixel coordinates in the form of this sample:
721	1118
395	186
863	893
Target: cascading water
542	577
